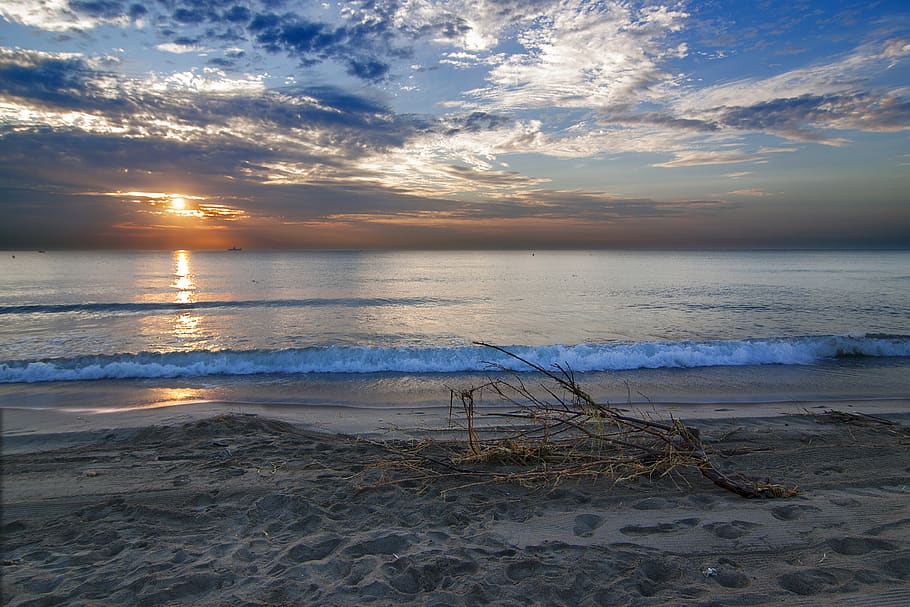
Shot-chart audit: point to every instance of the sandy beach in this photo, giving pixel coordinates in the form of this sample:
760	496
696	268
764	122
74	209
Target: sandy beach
243	509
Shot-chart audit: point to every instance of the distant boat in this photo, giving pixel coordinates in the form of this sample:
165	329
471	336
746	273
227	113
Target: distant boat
235	249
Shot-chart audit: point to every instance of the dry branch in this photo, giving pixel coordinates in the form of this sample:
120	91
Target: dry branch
564	435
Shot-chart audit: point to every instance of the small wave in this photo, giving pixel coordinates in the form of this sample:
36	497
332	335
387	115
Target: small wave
115	307
369	359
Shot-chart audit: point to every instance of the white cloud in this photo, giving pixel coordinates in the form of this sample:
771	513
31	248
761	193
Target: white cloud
53	15
814	104
178	49
705	157
207	80
469	25
579	54
20	117
753	193
838	77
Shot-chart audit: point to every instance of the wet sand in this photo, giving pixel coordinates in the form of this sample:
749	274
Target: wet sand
244	509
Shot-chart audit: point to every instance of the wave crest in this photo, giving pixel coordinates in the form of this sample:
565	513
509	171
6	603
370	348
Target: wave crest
460	359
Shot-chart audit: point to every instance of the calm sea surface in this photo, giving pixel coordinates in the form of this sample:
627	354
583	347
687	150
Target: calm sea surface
224	322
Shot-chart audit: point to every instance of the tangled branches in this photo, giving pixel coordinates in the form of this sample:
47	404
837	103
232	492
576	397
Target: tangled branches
565	434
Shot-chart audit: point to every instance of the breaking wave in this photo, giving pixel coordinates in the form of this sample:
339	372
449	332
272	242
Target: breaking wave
456	359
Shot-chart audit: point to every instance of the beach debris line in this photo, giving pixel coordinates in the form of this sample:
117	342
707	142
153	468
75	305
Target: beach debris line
857	418
557	432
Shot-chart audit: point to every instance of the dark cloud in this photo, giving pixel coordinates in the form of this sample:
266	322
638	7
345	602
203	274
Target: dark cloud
497	179
595	206
78	160
352	125
476	122
105	9
359	47
136	11
43	77
238	14
663	120
302	37
366	44
185	41
791	115
811	117
368	69
185	15
223	63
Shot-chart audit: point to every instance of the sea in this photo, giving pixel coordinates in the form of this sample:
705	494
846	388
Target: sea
113	331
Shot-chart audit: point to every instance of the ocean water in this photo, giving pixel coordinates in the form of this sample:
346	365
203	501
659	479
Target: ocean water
400	327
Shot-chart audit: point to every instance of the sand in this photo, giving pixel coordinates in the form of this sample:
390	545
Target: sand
242	509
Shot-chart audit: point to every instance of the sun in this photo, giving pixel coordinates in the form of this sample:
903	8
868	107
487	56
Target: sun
178	203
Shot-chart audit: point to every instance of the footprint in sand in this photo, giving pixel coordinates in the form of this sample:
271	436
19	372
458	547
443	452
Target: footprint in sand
855	546
731	579
904	522
522	570
313	548
731	530
899	567
585	524
828	470
808	582
792	512
389	544
656	503
686	523
655	575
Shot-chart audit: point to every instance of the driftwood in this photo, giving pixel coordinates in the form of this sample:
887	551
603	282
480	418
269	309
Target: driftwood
563	435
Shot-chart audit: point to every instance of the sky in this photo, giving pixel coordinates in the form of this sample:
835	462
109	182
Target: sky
163	124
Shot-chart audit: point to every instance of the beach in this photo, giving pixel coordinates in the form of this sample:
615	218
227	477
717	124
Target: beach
241	508
576	302
213	427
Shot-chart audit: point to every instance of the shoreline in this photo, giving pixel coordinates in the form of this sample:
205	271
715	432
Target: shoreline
245	509
27	429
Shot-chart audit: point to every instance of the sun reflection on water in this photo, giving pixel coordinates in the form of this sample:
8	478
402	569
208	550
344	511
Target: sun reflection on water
183	278
156	398
187	324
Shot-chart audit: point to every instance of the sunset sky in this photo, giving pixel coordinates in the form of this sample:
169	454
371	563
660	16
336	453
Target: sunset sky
418	123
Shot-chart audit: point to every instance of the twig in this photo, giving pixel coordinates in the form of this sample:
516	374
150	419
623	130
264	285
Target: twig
571	437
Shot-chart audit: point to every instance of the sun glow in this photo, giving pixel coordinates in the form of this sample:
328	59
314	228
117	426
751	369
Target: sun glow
181	205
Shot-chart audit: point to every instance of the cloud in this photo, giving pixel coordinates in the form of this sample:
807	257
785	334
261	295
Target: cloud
576	54
177	48
584	205
754	193
707	157
661	120
204	121
44	89
357	38
61	16
532	78
48	77
360	46
539	205
794	118
815	104
177	204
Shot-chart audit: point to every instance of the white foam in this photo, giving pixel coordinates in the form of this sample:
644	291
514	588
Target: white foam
368	359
